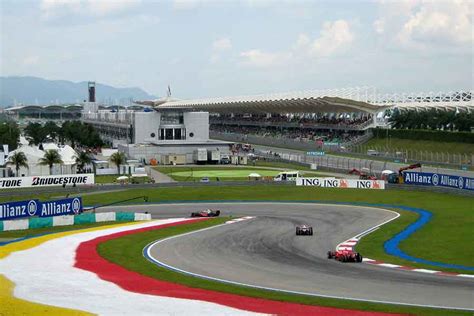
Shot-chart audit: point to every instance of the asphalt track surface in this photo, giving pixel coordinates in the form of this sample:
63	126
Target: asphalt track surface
265	252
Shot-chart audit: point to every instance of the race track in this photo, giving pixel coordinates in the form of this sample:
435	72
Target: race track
265	252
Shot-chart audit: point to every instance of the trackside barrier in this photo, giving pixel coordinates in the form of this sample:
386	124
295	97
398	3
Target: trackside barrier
341	183
438	179
66	220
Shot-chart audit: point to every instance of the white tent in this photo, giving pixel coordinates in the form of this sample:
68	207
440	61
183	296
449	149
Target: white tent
254	175
34	154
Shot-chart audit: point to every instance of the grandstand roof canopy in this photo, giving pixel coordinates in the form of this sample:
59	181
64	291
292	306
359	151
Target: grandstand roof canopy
341	100
67	108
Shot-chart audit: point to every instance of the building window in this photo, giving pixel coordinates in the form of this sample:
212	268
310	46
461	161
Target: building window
172	118
152	135
162	134
191	134
177	133
169	134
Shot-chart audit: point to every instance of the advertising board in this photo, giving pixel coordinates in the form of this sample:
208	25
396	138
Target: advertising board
341	183
44	181
438	179
22	209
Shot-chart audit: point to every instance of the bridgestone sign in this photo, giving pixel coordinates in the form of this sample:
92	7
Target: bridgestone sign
45	181
341	183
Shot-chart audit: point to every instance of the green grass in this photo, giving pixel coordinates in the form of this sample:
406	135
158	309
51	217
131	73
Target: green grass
228	173
127	252
14	234
440	240
421	145
112	178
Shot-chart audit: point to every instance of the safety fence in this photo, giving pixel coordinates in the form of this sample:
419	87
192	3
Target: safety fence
461	160
355	148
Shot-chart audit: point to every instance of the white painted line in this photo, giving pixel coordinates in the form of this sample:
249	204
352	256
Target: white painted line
389	265
425	271
466	275
368	260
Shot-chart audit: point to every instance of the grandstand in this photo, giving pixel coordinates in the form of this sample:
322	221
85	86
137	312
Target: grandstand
331	119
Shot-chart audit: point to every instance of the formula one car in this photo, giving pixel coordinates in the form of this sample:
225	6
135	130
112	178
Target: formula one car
206	213
304	230
345	256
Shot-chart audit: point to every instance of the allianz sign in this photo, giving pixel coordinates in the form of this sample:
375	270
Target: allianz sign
341	183
438	179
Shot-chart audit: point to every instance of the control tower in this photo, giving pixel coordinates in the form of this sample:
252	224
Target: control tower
91	87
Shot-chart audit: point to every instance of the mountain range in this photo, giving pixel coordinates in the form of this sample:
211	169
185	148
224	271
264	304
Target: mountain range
39	91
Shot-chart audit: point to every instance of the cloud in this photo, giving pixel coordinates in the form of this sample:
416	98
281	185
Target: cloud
379	26
425	23
334	37
449	21
257	58
186	4
30	60
56	8
222	44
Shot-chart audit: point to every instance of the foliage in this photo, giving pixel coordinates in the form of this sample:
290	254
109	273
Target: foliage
76	132
19	160
83	159
50	158
9	135
432	135
51	130
35	133
118	159
433	119
82	134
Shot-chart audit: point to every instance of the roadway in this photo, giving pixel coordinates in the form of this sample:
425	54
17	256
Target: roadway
265	252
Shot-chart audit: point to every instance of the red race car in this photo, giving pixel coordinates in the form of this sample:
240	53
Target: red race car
345	256
206	213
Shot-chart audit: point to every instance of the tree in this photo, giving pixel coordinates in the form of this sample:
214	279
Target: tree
118	159
51	130
50	158
83	159
35	133
19	160
9	135
78	133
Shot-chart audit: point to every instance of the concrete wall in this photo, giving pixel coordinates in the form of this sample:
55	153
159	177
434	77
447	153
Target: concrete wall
157	152
145	124
196	123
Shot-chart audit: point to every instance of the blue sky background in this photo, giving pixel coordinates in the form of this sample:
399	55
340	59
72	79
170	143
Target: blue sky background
211	48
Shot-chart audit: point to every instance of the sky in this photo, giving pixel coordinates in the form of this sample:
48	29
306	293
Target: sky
229	47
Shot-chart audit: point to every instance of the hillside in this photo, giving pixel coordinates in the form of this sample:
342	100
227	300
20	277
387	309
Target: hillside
33	90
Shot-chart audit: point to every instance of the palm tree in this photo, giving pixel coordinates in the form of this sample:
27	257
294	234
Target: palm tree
50	158
19	160
82	159
118	159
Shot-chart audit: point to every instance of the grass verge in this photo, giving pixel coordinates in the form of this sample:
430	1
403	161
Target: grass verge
229	173
126	251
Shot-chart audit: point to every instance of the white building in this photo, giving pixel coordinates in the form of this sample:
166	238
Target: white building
34	154
168	136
